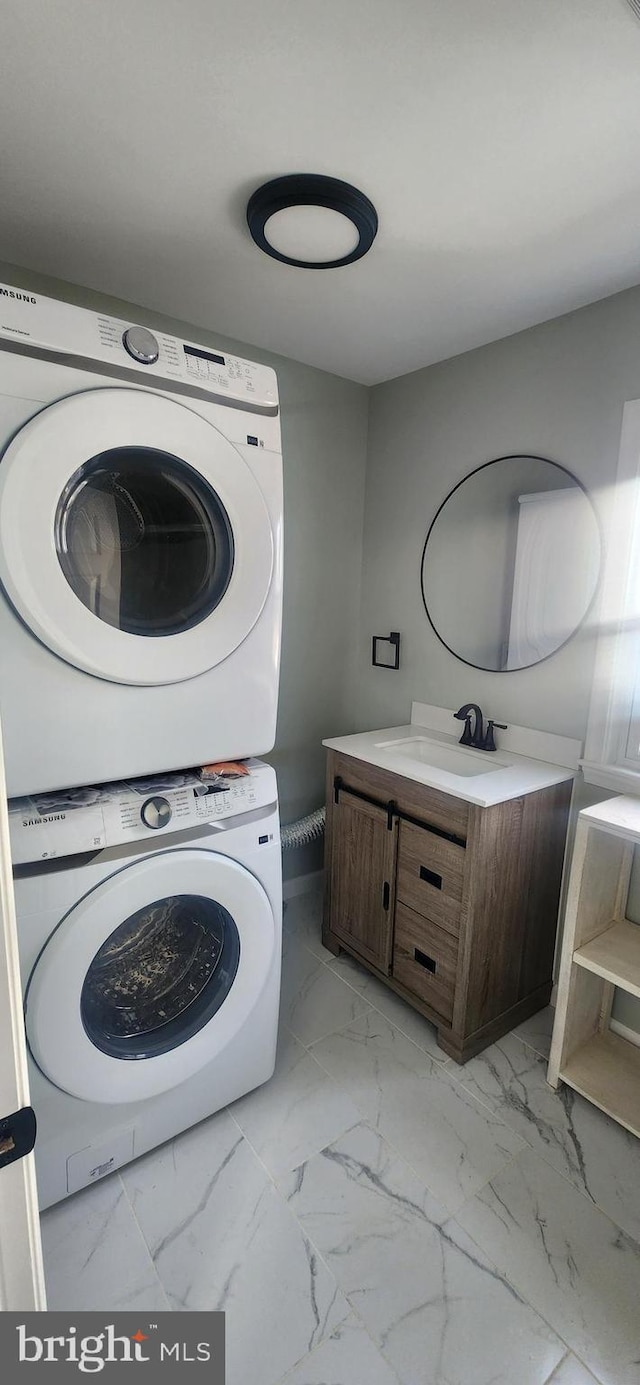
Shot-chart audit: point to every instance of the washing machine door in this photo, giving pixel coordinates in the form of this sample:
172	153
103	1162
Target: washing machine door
150	976
135	541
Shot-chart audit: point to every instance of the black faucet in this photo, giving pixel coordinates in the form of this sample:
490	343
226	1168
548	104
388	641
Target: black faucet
478	738
475	738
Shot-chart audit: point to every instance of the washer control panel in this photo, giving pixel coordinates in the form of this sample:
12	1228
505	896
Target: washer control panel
48	825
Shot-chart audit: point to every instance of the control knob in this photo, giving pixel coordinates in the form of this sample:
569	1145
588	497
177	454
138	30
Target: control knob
156	812
141	344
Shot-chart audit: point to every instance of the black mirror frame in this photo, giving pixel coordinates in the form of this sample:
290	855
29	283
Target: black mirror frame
508	457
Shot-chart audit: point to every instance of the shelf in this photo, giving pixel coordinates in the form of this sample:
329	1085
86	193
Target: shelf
600	951
620	816
606	1070
614	955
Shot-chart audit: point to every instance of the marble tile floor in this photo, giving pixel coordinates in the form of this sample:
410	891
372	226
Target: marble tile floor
376	1215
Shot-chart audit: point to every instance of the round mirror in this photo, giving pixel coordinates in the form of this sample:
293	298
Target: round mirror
511	563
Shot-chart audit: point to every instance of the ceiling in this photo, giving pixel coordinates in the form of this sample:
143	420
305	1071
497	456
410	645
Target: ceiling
498	140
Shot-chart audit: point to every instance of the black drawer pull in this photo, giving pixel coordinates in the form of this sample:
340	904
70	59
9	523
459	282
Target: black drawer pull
431	877
427	962
385	895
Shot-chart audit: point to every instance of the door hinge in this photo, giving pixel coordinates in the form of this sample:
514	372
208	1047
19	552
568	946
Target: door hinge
385	895
17	1135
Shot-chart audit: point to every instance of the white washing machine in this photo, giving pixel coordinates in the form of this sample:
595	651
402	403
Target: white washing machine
140	548
151	964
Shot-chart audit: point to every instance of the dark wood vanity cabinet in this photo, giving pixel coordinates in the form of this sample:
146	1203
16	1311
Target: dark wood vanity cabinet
453	906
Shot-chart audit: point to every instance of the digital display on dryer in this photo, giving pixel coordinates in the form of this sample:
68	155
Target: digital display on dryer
203	355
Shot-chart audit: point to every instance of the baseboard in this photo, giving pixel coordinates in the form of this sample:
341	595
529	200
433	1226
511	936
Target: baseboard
625	1032
301	884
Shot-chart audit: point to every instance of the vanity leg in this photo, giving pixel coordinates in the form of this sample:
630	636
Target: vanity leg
450	1046
330	941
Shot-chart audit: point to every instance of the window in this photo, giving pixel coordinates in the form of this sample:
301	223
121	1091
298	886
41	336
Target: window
612	749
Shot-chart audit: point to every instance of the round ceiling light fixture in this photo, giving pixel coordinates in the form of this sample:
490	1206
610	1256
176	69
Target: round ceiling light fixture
311	221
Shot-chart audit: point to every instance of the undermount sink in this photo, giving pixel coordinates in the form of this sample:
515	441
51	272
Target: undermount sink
427	750
454	759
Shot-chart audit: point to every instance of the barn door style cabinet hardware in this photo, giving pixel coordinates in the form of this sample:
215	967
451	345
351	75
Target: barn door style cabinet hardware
453	906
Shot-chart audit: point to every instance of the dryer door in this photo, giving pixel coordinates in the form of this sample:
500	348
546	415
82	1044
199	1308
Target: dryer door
150	976
135	541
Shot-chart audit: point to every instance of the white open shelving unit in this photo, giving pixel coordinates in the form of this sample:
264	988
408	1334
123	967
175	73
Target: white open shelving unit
600	950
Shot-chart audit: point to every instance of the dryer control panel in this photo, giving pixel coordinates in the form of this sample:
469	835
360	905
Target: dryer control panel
67	331
48	825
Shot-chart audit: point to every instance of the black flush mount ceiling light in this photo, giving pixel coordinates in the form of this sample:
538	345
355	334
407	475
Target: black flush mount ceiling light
311	221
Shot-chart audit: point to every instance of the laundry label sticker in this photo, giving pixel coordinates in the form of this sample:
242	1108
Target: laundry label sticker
41	829
175	1348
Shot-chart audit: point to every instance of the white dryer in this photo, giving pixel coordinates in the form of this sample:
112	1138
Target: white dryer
151	965
140	548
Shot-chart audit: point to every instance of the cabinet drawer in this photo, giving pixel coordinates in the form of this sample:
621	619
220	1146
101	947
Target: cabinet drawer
430	875
425	960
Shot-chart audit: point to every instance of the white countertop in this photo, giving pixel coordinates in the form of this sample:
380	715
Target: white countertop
514	774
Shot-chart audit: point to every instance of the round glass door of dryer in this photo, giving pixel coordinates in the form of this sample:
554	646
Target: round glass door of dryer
150	975
135	541
144	541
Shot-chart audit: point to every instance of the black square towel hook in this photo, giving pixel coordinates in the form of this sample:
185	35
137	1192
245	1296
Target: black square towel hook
389	657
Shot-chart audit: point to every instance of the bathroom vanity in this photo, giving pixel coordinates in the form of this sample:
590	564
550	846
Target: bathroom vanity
443	869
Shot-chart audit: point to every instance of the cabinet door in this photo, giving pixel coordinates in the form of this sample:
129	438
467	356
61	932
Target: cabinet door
363	862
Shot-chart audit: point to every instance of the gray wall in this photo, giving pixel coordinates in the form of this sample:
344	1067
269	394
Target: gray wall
555	391
324	437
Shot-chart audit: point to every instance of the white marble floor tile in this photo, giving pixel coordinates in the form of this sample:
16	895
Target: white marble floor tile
303	918
474	1326
572	1372
453	1142
94	1254
395	1009
596	1153
348	1357
537	1031
567	1258
295	1114
360	1197
432	1302
221	1236
314	1000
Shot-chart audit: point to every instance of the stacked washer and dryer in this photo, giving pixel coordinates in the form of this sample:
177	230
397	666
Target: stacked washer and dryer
140	626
